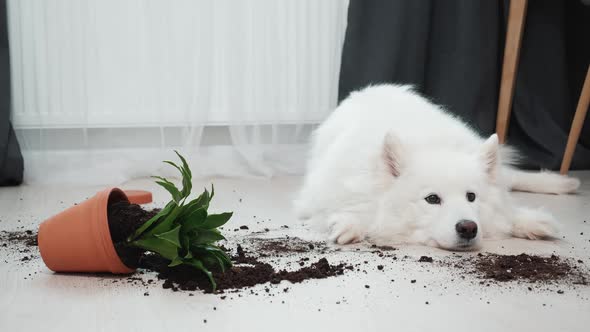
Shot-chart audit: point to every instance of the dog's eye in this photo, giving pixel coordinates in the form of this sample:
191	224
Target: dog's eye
432	199
471	197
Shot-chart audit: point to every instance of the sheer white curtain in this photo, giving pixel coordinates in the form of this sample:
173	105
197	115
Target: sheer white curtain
103	90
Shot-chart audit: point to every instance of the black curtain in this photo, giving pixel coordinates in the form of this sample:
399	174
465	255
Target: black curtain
452	51
11	160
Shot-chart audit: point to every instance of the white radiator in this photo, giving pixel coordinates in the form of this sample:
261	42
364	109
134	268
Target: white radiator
146	63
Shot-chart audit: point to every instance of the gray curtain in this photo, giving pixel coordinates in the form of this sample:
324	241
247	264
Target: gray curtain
11	161
452	51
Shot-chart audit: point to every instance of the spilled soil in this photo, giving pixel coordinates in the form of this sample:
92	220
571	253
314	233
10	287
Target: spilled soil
287	245
23	243
251	266
247	271
26	238
528	268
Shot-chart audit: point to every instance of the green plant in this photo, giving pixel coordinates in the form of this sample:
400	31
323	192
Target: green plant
183	232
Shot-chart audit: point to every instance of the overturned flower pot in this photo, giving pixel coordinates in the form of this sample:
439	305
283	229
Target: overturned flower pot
108	233
79	239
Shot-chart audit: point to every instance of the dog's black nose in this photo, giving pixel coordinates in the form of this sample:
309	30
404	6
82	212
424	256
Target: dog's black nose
466	229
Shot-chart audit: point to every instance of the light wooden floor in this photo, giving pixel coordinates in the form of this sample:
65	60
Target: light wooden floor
50	302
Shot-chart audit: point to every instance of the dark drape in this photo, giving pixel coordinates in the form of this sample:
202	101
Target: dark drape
11	160
452	51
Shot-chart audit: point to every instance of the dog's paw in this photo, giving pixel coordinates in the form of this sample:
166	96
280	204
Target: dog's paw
345	232
534	224
568	185
561	184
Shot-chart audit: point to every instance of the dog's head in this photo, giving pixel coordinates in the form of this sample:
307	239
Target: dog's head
437	194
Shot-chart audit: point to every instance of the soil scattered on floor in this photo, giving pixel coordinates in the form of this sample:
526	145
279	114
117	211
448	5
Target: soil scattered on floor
384	248
23	238
247	271
286	245
528	268
20	242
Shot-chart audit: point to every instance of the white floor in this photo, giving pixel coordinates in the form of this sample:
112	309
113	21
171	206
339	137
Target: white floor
49	302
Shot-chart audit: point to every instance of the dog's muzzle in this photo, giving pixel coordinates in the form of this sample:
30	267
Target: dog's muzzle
466	229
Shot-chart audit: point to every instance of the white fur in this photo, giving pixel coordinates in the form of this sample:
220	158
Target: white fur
385	148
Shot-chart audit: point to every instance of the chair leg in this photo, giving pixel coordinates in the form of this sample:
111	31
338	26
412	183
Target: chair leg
516	18
577	124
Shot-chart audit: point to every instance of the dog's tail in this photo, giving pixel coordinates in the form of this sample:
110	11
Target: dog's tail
543	182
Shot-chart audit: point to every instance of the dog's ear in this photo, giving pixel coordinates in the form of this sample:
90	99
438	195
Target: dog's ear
490	155
392	149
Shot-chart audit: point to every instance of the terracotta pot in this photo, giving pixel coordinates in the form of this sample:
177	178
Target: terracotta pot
139	196
78	239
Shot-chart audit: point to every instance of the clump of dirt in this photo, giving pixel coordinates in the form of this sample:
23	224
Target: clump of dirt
287	245
425	259
26	238
529	268
247	271
124	218
21	242
384	248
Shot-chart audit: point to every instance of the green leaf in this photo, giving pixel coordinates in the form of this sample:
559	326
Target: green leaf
186	186
195	218
207	236
168	222
214	255
216	220
149	223
162	247
173	164
193	222
199	265
195	204
186	176
185	241
184	164
170	187
176	261
223	260
206	249
202	200
171	236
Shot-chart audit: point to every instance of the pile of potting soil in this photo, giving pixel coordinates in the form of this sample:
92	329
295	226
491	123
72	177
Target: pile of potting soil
527	268
247	271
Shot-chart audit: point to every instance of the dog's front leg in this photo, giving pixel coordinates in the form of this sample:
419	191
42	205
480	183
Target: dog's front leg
534	224
350	225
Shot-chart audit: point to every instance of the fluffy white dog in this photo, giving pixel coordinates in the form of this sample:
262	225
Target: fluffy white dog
390	167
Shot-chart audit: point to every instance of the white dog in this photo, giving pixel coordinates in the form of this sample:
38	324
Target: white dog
391	167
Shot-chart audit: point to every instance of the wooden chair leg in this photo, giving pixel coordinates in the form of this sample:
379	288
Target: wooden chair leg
577	124
516	18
